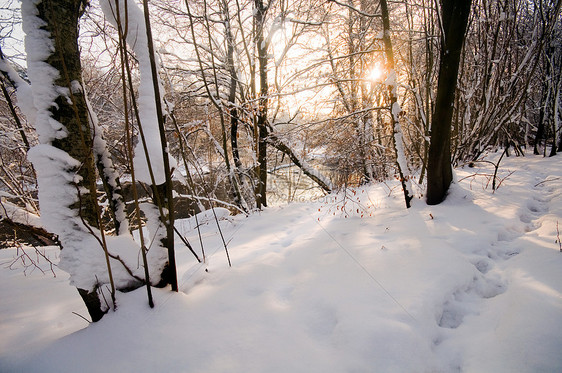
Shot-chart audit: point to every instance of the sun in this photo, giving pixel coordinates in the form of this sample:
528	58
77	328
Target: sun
375	74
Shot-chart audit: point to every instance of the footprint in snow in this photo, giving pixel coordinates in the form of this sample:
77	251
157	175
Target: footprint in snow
321	320
526	218
503	254
286	242
483	265
465	301
508	234
536	207
542	199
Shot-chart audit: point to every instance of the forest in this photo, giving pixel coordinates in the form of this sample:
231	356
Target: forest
122	118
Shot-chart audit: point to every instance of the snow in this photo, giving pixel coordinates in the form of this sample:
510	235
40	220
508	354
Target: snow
471	285
54	173
24	93
57	174
83	256
157	255
137	40
18	215
391	81
39	46
399	144
103	156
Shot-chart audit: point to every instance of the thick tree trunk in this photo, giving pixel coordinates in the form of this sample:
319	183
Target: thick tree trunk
60	19
454	14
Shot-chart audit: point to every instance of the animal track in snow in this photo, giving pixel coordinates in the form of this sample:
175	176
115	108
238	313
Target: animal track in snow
526	218
286	241
508	234
536	207
504	254
464	301
321	320
483	265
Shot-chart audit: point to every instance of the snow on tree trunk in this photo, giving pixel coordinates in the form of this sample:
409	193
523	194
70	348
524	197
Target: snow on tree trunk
137	40
107	172
64	159
151	169
395	110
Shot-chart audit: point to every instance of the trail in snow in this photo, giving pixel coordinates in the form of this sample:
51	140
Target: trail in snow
472	285
525	207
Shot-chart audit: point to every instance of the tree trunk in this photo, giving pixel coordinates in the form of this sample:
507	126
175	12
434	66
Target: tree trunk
539	136
454	14
73	136
232	109
395	110
261	124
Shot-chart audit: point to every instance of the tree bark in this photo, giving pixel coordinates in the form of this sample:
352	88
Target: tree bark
61	19
166	190
395	110
454	14
232	109
539	136
261	196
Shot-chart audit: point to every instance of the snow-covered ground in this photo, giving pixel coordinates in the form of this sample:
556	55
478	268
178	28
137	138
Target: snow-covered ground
471	285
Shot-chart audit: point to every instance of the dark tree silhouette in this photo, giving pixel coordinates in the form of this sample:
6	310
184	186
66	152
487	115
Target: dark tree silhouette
454	17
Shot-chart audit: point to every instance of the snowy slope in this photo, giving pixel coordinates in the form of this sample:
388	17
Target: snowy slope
471	285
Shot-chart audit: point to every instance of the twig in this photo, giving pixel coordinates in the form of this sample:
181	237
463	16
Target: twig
210	199
547	180
184	240
365	14
474	175
496	166
200	239
27	261
505	178
558	236
77	314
